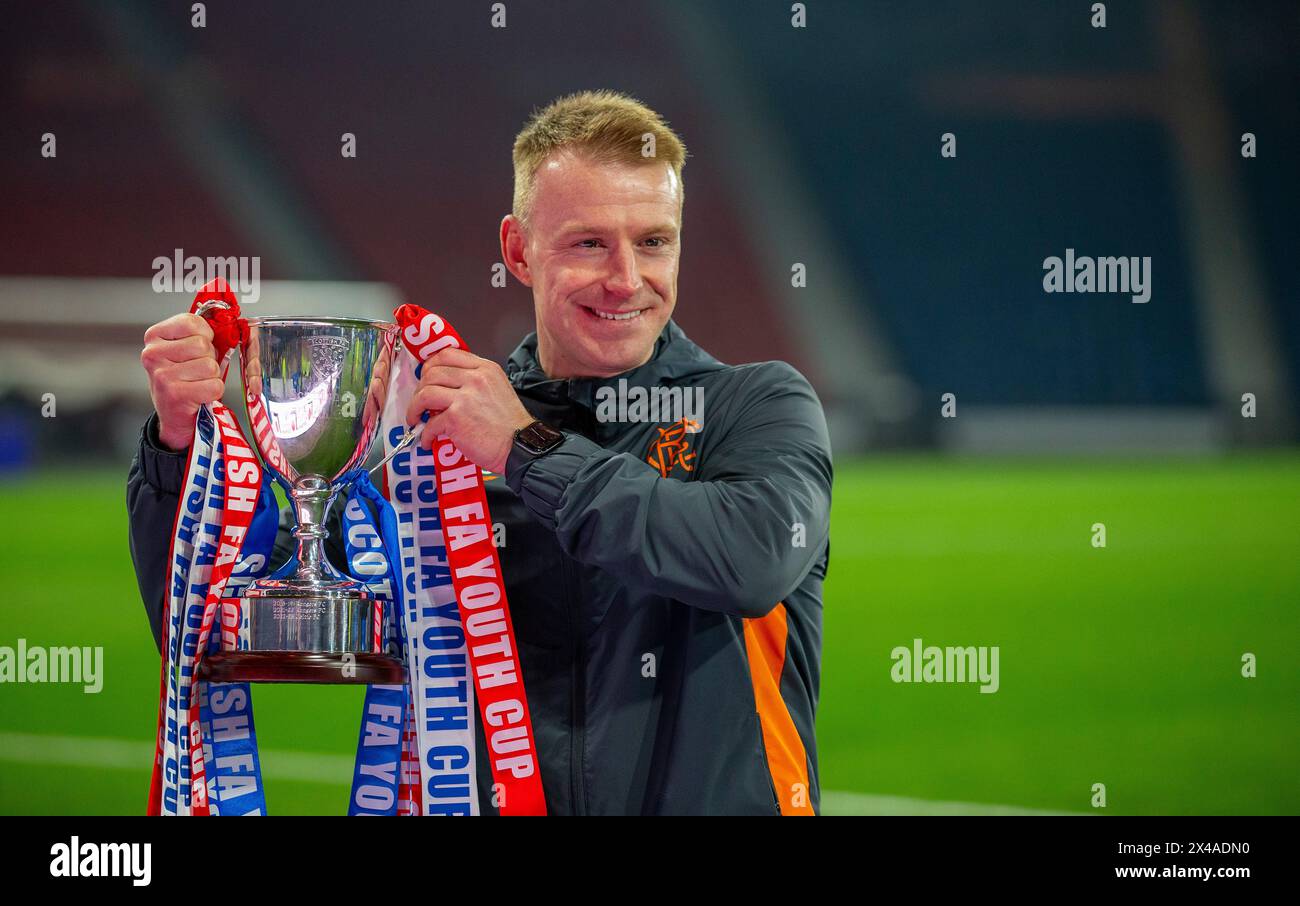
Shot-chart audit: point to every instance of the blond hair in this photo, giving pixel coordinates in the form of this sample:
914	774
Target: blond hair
607	126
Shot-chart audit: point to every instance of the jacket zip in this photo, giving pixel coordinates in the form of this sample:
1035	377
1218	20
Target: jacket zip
577	693
578	665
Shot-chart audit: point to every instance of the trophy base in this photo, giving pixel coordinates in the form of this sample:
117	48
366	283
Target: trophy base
329	617
302	667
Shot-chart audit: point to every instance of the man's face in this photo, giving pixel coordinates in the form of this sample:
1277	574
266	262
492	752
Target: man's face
600	253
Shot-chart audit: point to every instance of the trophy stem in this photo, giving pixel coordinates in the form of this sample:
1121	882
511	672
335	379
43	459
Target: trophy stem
312	497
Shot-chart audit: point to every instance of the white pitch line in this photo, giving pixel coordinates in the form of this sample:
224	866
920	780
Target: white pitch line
835	802
314	767
84	752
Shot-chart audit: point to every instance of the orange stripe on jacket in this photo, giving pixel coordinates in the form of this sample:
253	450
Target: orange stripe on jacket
786	758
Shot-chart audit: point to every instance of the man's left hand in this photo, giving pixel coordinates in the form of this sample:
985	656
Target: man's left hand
470	401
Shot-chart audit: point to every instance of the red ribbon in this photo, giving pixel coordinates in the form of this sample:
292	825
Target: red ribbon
480	595
228	328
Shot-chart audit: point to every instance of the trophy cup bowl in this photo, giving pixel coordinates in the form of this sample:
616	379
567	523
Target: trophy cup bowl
314	390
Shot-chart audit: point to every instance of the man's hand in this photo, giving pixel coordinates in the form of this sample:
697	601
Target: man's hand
183	375
471	401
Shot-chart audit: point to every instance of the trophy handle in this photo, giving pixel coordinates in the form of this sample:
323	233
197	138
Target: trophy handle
210	305
406	441
202	311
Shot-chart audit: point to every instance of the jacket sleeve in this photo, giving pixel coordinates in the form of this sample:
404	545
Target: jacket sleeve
153	488
737	539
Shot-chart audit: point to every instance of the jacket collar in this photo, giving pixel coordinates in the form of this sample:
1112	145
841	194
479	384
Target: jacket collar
675	358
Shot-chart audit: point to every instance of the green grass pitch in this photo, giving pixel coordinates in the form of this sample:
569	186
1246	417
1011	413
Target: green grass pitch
1120	665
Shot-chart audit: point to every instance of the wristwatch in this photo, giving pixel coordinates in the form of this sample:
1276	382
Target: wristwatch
538	438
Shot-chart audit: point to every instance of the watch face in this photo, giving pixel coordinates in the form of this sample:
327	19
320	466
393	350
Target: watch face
539	438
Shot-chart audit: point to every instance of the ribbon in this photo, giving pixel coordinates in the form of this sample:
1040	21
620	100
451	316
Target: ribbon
376	779
241	477
480	592
220	500
442	691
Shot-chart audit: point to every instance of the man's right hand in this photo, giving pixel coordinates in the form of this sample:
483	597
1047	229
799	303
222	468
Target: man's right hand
183	375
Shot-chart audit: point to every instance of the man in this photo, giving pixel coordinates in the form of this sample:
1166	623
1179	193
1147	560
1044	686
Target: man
664	576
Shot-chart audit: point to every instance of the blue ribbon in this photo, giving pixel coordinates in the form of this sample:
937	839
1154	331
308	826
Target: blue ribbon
372	559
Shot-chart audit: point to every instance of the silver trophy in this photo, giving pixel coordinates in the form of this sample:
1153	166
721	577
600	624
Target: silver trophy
314	390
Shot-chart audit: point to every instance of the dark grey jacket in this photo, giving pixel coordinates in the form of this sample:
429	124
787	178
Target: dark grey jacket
665	584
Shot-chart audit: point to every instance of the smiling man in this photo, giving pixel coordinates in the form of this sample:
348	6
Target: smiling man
664	569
